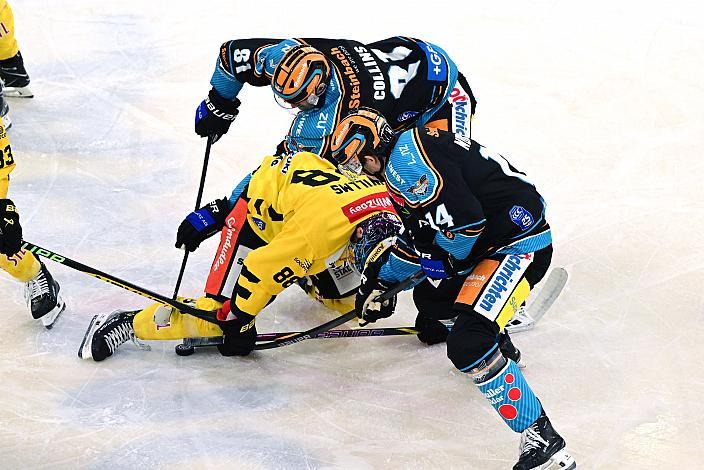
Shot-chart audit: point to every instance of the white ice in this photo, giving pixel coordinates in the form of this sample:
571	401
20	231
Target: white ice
600	102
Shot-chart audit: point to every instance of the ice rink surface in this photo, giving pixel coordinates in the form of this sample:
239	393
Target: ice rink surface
601	103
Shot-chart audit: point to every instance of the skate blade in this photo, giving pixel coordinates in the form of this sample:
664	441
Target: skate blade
50	318
17	92
561	460
84	351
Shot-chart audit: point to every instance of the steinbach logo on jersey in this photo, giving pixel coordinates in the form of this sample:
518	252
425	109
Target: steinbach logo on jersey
360	208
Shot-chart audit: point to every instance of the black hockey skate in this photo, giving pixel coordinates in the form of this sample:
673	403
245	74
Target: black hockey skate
15	77
106	332
43	299
542	448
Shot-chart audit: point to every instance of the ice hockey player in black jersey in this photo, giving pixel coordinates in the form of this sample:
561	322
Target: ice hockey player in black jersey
474	222
412	82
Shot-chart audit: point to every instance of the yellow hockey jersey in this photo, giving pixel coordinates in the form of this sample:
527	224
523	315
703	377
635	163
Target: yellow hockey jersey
306	212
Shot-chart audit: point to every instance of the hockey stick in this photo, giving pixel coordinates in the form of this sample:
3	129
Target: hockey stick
546	297
57	258
198	198
524	319
187	347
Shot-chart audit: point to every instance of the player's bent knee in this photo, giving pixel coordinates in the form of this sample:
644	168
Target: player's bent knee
464	349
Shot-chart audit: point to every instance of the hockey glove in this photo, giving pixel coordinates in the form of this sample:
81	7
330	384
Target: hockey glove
366	306
239	331
430	330
435	262
10	229
202	224
215	114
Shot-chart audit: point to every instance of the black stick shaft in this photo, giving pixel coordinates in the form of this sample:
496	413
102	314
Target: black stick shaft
58	258
198	200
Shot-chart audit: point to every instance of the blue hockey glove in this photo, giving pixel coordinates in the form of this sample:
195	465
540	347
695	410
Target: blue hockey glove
215	114
202	224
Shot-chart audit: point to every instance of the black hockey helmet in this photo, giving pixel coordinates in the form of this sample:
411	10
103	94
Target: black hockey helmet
362	132
301	77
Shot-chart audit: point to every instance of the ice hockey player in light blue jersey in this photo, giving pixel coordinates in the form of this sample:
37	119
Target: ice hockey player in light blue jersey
476	225
413	82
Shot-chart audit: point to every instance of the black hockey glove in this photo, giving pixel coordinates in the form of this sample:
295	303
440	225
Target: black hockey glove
367	308
10	228
202	224
239	332
215	114
430	330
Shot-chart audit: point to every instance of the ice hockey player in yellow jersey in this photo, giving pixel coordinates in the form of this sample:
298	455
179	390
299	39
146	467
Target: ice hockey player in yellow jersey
294	221
14	79
41	290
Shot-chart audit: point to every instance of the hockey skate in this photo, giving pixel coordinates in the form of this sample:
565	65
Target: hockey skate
15	77
543	448
106	332
43	299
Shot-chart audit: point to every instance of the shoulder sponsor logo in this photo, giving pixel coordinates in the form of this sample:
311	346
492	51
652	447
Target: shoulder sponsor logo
437	66
521	217
362	207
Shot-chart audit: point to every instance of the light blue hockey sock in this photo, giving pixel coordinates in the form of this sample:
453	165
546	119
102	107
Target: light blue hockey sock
509	394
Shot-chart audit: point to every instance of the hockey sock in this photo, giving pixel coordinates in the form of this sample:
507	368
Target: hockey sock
503	384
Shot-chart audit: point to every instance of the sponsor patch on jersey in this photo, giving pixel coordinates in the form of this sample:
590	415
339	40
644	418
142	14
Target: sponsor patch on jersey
261	225
362	207
499	288
461	110
437	65
521	217
406	115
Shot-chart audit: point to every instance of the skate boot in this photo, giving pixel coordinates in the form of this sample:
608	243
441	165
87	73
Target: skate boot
15	78
509	350
542	448
106	332
43	299
521	321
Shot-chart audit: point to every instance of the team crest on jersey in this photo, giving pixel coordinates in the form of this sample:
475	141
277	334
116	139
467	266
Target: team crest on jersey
420	188
521	217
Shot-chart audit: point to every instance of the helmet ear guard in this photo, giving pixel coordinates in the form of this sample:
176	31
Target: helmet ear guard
301	76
